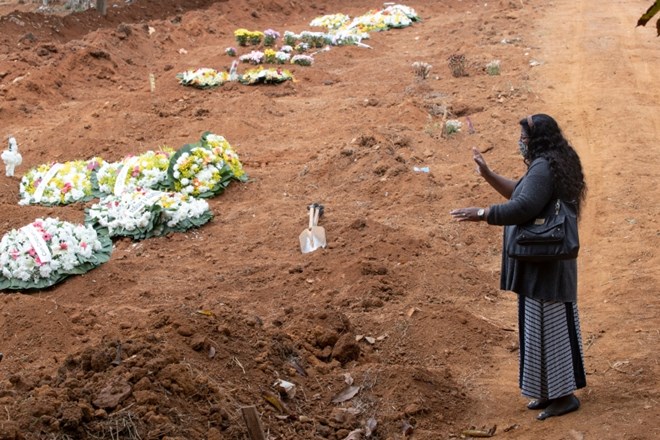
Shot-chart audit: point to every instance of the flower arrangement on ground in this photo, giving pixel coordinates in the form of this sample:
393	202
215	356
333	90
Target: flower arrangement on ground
369	22
393	16
348	37
332	21
404	10
301	47
219	145
129	214
290	38
241	36
282	57
268	56
312	39
336	37
198	171
245	37
265	76
315	39
302	60
231	51
202	78
270	37
254	57
275	57
148	170
47	251
398	16
145	213
59	183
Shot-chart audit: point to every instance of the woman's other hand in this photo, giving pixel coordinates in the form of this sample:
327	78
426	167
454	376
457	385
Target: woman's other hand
469	214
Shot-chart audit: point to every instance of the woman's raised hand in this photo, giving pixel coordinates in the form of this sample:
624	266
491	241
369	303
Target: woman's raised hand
482	167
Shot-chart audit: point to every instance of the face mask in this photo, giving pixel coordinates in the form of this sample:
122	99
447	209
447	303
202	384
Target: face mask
522	147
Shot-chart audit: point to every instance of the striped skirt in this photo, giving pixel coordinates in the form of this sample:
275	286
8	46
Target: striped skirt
551	363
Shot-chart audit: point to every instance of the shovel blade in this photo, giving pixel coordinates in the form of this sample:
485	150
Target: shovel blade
311	239
318	235
306	242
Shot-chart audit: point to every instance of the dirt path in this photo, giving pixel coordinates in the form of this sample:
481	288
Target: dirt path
597	78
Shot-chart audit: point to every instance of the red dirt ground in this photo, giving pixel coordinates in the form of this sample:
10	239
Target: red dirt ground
346	133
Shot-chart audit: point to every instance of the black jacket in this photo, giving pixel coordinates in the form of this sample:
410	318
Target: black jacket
554	281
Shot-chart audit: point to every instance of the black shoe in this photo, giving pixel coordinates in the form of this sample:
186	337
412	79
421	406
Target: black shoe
539	404
560	406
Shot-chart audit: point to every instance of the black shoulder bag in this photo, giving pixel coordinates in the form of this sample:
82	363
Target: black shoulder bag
550	238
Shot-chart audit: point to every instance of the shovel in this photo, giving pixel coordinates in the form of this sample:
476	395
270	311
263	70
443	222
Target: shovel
313	237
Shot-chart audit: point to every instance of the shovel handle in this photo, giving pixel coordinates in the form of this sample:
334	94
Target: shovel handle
317	212
312	214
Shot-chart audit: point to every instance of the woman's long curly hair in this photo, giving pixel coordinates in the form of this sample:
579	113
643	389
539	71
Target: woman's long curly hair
547	141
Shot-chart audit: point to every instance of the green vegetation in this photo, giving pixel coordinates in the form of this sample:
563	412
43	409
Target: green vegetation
654	9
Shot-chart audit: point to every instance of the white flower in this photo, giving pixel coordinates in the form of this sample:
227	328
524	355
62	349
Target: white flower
254	57
147	170
203	77
453	126
44	249
131	213
59	183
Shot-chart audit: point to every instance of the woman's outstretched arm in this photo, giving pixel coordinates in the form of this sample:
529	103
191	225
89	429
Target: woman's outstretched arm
501	184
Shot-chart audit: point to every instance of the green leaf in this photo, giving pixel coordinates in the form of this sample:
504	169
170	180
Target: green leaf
96	192
188	223
204	136
654	9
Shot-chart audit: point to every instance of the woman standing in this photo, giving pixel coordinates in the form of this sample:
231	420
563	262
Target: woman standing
551	363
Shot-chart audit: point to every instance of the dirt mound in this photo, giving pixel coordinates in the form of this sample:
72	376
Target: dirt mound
60	24
183	373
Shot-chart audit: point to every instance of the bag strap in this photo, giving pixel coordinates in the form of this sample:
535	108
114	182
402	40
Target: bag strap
568	208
